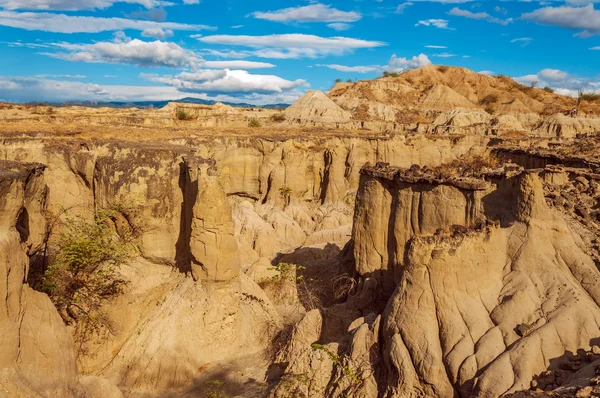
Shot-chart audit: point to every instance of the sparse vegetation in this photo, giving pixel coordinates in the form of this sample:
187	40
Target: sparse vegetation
343	286
391	74
183	114
278	117
285	193
548	89
591	97
533	84
214	389
469	167
338	80
489	99
83	269
254	123
442	68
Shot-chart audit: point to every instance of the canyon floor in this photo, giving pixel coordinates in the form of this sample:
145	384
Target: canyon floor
435	234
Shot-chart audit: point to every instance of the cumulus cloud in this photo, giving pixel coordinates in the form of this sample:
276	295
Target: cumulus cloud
157	33
562	82
585	19
400	64
457	12
61	23
438	23
288	46
236	64
226	81
310	13
72	5
134	52
355	69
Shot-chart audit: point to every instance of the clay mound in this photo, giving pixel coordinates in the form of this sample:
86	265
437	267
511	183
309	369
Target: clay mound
442	97
202	110
314	106
462	118
513	106
507	123
560	125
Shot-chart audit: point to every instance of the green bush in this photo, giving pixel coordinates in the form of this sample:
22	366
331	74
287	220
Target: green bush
182	114
83	270
390	74
590	97
548	89
254	122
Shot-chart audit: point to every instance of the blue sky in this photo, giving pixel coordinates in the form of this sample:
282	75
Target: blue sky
273	51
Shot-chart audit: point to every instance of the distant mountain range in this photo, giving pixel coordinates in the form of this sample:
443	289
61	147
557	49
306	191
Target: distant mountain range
153	104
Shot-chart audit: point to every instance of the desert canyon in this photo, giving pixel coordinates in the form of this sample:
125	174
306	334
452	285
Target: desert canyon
432	234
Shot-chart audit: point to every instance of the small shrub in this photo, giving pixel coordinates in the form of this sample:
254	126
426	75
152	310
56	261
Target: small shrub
182	114
254	123
278	117
489	99
285	193
548	89
338	80
343	286
490	109
443	68
590	97
83	271
214	389
390	74
533	84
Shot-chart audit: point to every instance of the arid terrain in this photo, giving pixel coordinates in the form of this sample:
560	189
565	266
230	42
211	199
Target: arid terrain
432	234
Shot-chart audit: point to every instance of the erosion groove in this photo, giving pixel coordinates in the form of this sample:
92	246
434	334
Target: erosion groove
391	238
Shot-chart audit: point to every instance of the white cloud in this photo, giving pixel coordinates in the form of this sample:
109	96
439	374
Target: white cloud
356	69
401	7
438	23
562	82
339	26
586	19
157	33
61	23
191	1
226	81
46	76
289	46
524	40
72	5
457	12
486	72
444	55
595	48
553	74
134	52
237	65
438	47
399	64
23	89
311	13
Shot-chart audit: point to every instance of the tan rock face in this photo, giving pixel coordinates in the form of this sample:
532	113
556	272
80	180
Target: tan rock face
36	351
213	248
480	313
392	208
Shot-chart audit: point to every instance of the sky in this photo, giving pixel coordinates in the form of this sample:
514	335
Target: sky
272	51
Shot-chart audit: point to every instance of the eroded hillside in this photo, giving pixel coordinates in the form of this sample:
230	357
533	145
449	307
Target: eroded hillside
308	252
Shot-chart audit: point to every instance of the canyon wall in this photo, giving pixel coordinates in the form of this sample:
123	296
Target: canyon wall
215	212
